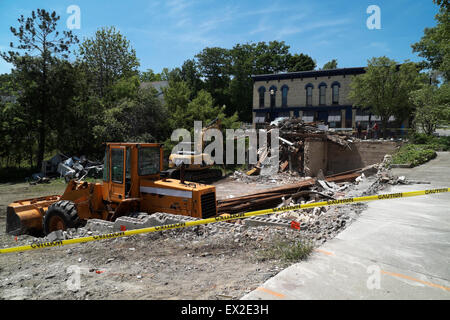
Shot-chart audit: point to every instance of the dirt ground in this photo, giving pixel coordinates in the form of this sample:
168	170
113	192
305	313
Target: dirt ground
193	263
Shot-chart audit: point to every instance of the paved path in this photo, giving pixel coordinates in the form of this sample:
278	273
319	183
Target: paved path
397	249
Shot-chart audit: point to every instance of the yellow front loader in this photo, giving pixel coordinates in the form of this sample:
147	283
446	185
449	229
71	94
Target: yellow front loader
132	182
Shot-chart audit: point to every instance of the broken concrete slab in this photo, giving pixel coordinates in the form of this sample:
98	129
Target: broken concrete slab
99	225
55	236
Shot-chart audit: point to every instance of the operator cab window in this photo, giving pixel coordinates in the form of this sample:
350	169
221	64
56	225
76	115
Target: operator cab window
106	166
148	161
127	172
117	165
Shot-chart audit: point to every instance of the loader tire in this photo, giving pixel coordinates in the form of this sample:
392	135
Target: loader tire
60	216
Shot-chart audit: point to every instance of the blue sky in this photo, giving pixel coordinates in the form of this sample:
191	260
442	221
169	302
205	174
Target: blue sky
167	32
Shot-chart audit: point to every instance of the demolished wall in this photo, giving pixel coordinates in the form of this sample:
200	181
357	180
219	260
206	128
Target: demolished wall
316	155
337	158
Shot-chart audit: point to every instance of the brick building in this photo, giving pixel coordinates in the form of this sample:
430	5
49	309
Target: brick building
318	95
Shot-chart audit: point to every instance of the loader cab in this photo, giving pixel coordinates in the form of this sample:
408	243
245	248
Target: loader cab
125	164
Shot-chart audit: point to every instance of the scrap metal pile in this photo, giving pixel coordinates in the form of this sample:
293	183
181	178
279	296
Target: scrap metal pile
68	168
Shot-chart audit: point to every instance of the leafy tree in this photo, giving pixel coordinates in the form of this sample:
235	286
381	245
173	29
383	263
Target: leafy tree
272	57
176	98
432	105
434	46
300	62
444	4
385	88
14	131
214	66
149	76
171	74
140	117
183	111
241	85
109	57
42	44
191	75
330	65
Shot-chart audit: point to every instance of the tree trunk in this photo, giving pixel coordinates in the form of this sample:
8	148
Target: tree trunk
31	157
41	146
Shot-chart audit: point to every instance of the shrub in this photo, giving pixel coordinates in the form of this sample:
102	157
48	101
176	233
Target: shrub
414	154
437	143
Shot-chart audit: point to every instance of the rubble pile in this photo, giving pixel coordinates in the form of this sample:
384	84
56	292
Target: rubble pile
275	179
293	132
292	135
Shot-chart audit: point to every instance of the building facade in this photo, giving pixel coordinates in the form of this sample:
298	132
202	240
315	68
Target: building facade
319	95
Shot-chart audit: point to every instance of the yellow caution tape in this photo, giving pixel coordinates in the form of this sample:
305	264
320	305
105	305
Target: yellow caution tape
59	243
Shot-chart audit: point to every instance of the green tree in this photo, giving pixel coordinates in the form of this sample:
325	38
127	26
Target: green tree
434	46
330	65
300	62
191	75
385	88
184	111
149	76
41	44
138	117
176	98
432	107
214	66
272	57
15	136
109	57
241	85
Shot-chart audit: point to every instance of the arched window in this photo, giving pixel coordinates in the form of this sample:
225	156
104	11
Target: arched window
284	94
322	93
261	91
309	89
273	95
335	92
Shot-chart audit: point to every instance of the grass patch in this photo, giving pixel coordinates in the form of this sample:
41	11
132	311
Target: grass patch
414	154
287	251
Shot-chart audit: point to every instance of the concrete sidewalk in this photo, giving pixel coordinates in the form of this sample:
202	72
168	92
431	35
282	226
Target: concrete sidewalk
397	249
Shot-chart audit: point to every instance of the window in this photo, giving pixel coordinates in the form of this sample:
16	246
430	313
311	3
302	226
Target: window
322	93
284	93
309	88
117	165
335	92
273	95
127	165
106	166
261	91
148	161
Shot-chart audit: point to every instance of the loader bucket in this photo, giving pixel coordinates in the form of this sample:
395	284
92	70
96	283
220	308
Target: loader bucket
25	216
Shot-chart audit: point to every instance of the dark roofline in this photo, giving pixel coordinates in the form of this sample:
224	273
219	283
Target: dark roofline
309	74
